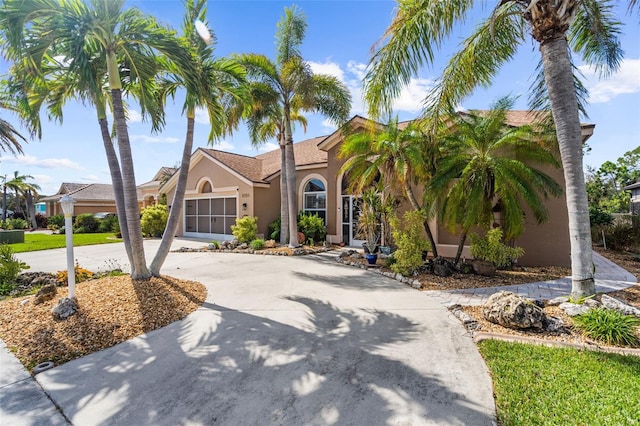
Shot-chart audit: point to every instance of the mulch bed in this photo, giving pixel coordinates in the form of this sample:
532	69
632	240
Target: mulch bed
111	310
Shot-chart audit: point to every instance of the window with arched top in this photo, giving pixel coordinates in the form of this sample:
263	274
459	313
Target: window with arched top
315	198
206	187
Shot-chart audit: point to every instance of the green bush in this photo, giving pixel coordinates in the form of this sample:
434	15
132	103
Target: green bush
257	244
609	326
599	217
56	221
620	236
312	226
274	229
411	242
245	229
109	224
10	268
86	223
491	249
154	220
215	244
17	223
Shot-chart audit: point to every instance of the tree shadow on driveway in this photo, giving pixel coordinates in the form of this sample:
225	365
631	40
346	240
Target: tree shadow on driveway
231	367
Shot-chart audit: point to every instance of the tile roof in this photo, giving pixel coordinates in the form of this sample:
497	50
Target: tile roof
85	191
261	167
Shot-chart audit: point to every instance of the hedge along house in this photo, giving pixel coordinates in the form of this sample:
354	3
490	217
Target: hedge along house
223	186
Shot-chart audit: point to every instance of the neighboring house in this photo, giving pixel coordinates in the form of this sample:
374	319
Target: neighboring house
634	206
223	186
89	198
149	192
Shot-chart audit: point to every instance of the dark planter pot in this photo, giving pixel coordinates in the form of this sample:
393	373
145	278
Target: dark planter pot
371	258
365	247
482	267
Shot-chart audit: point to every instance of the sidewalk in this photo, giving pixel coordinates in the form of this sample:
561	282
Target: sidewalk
609	277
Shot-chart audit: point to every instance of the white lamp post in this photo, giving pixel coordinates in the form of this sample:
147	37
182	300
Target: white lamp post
67	208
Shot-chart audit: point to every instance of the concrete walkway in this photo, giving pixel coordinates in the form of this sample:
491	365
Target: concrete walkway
279	340
609	277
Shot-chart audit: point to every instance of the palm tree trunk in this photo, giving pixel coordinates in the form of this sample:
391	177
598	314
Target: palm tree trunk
564	106
463	238
414	203
290	164
139	268
31	209
284	196
116	182
178	199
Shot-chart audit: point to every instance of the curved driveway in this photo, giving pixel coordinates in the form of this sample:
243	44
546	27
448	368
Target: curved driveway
279	340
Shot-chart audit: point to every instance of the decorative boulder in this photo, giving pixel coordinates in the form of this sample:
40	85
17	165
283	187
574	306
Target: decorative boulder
482	267
618	305
243	246
64	309
573	309
46	292
512	311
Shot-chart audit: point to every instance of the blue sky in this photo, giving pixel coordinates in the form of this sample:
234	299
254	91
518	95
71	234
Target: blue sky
338	41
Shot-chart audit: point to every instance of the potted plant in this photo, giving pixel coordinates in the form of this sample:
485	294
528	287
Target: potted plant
490	253
369	224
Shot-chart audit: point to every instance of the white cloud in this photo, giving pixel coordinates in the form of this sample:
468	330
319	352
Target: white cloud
201	116
412	97
357	68
90	179
269	146
134	116
223	145
625	81
46	163
329	125
153	139
328	67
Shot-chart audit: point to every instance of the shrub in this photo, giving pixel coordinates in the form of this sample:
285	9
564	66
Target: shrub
245	229
10	268
56	220
81	275
86	223
17	223
312	226
41	220
257	244
109	224
609	326
274	229
154	220
491	249
410	241
215	244
621	236
599	217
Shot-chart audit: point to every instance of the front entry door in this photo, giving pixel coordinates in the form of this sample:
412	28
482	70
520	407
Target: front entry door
350	215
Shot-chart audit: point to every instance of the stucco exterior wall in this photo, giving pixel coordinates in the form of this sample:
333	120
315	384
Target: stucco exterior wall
267	205
81	207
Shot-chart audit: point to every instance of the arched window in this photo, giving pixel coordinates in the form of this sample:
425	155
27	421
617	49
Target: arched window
315	199
206	187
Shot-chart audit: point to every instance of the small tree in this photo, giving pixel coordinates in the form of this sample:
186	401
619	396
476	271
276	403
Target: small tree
410	241
154	220
490	248
245	229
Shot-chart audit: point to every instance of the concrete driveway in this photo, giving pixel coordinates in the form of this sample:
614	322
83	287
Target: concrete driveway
279	340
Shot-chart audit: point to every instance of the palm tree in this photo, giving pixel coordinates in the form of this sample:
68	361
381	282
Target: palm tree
488	165
19	185
297	89
586	26
9	137
209	80
402	157
124	40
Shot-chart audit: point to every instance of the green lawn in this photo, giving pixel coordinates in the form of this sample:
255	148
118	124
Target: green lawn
536	385
34	242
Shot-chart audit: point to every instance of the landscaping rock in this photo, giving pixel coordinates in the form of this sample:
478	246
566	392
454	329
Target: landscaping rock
557	301
573	309
512	311
619	305
46	292
554	324
442	270
243	246
467	320
64	309
592	303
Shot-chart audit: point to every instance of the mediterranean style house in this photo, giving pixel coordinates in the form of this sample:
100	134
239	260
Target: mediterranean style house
223	186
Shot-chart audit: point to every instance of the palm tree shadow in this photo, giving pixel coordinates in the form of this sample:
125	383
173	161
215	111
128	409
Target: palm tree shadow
233	367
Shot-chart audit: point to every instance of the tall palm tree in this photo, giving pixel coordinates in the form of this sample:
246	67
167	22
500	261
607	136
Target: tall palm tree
297	88
488	164
19	185
207	82
585	26
99	29
402	157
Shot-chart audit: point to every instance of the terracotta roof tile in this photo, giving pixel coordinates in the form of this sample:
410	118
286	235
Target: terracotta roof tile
249	167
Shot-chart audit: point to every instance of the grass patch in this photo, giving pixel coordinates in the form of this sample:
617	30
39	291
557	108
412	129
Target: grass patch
537	385
35	242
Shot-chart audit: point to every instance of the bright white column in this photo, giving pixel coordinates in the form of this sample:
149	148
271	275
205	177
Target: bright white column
67	207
